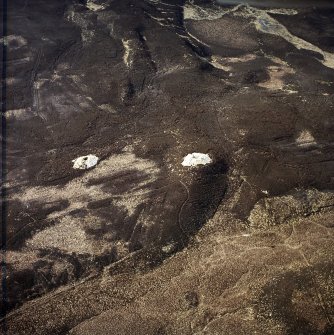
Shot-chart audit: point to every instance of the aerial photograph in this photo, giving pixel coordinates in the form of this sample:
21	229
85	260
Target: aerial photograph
167	167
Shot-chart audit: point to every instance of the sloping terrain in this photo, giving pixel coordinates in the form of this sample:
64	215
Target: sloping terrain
141	244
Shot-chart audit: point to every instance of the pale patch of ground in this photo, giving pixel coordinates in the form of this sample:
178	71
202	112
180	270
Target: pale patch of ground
107	108
12	80
283	11
218	64
14	41
82	190
85	162
87	33
305	139
191	11
268	25
127	52
242	59
196	158
243	132
225	63
19	114
262	21
67	235
91	5
276	74
21	259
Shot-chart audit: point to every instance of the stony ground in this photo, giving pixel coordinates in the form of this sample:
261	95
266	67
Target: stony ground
141	244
